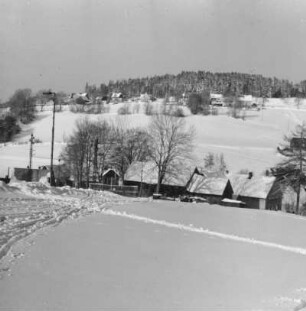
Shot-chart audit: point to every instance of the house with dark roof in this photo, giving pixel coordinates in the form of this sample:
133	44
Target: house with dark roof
257	192
211	186
145	174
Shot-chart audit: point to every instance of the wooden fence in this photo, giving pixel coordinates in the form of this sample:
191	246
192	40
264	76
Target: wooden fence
131	191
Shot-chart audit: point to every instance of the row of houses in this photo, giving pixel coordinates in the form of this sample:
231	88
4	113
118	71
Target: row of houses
240	190
247	101
257	192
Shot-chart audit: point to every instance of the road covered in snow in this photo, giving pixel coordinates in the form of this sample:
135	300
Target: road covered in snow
111	252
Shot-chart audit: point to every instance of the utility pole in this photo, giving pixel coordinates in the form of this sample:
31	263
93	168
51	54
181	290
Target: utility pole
54	99
32	142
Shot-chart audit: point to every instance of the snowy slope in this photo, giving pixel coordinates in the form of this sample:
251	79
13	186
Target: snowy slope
158	255
249	144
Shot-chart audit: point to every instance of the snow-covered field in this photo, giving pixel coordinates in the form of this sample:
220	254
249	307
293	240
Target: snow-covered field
249	144
111	252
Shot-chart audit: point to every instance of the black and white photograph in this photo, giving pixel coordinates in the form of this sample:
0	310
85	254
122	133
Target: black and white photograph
152	155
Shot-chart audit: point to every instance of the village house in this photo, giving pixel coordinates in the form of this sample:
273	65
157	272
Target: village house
117	97
145	174
82	96
216	99
257	192
248	101
211	186
110	177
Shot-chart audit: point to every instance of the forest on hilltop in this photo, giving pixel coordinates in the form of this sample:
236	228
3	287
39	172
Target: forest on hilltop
228	84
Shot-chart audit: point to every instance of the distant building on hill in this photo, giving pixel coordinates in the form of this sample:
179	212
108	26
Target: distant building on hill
117	97
79	97
216	99
248	101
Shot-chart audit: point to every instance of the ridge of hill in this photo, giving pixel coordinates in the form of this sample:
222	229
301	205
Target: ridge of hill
227	83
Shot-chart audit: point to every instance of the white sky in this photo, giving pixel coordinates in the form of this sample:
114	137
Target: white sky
62	44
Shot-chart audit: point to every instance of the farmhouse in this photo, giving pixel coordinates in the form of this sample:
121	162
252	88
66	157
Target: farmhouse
117	97
248	101
84	96
260	192
110	177
210	186
216	99
145	174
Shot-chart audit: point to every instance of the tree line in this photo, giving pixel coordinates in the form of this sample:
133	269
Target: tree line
186	82
98	145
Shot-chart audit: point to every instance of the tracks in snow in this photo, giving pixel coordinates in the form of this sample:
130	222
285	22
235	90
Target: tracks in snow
200	230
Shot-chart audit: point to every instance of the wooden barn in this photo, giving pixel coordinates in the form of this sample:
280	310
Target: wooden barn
144	175
212	187
260	192
110	177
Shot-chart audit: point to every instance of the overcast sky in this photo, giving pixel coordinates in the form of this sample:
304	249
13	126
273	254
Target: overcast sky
62	44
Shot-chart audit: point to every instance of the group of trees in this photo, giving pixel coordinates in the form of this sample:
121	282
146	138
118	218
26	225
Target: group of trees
291	171
215	162
186	82
22	108
96	146
8	128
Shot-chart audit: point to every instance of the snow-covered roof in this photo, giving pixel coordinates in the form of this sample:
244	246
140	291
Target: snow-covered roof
108	170
147	172
246	98
256	187
144	96
216	96
232	201
207	185
116	95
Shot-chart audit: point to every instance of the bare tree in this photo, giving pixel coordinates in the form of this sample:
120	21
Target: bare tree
171	144
104	145
78	154
131	145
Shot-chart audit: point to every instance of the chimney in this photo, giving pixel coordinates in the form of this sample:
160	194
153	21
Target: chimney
250	175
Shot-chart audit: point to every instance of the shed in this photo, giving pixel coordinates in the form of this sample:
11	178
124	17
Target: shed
260	192
212	187
110	177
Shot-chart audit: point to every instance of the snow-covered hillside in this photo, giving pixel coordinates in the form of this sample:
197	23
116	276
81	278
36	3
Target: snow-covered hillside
249	144
138	255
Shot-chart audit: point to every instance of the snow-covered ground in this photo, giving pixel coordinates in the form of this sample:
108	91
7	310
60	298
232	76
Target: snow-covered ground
249	144
27	207
111	252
